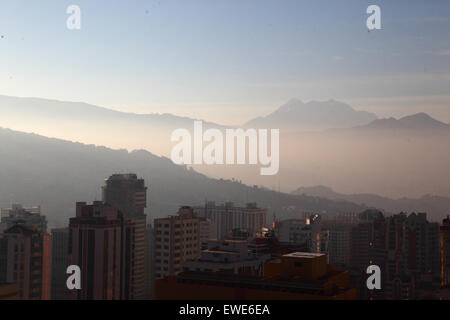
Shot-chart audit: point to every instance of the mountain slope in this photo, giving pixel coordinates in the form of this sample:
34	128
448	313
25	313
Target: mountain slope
296	115
56	173
420	122
437	207
392	162
82	122
47	108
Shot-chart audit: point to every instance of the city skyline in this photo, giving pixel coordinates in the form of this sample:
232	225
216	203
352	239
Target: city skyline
235	152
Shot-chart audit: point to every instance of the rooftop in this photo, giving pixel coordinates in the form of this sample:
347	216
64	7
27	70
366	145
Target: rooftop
303	255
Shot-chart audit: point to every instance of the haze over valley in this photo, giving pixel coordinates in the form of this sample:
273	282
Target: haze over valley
395	158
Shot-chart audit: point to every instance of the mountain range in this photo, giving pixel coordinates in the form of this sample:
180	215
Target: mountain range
416	123
435	206
53	173
297	115
82	122
406	157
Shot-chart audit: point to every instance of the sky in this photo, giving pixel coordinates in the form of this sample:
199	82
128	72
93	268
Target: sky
229	61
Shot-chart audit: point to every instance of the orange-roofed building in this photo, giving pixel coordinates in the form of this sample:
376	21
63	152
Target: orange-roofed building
295	276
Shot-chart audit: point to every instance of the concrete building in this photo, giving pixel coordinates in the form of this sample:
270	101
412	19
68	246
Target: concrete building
368	247
268	244
25	259
445	252
150	261
339	244
129	195
308	231
95	239
227	217
399	288
228	256
413	245
60	262
340	227
295	276
28	216
177	239
368	241
206	232
405	247
287	230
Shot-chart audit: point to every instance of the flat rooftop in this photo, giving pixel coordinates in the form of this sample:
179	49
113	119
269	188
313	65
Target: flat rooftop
221	252
303	255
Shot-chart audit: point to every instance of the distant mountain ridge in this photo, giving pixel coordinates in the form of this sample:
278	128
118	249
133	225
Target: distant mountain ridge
78	121
297	115
55	108
53	173
410	157
419	122
437	207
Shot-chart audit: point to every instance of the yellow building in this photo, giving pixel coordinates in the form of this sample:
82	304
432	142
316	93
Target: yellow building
295	276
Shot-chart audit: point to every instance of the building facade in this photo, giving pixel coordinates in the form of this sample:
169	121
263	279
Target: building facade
60	262
228	256
445	252
177	239
27	216
295	276
304	231
227	217
95	238
129	195
25	260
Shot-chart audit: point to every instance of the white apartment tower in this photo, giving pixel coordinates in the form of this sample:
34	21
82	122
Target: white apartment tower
228	217
177	239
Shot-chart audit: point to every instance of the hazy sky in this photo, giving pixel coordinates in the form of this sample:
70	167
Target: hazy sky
229	60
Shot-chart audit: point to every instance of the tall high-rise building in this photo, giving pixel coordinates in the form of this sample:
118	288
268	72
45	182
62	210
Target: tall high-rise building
368	247
60	262
368	241
129	195
95	236
413	245
206	232
405	247
177	239
25	260
445	252
421	241
339	246
340	228
228	217
149	261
